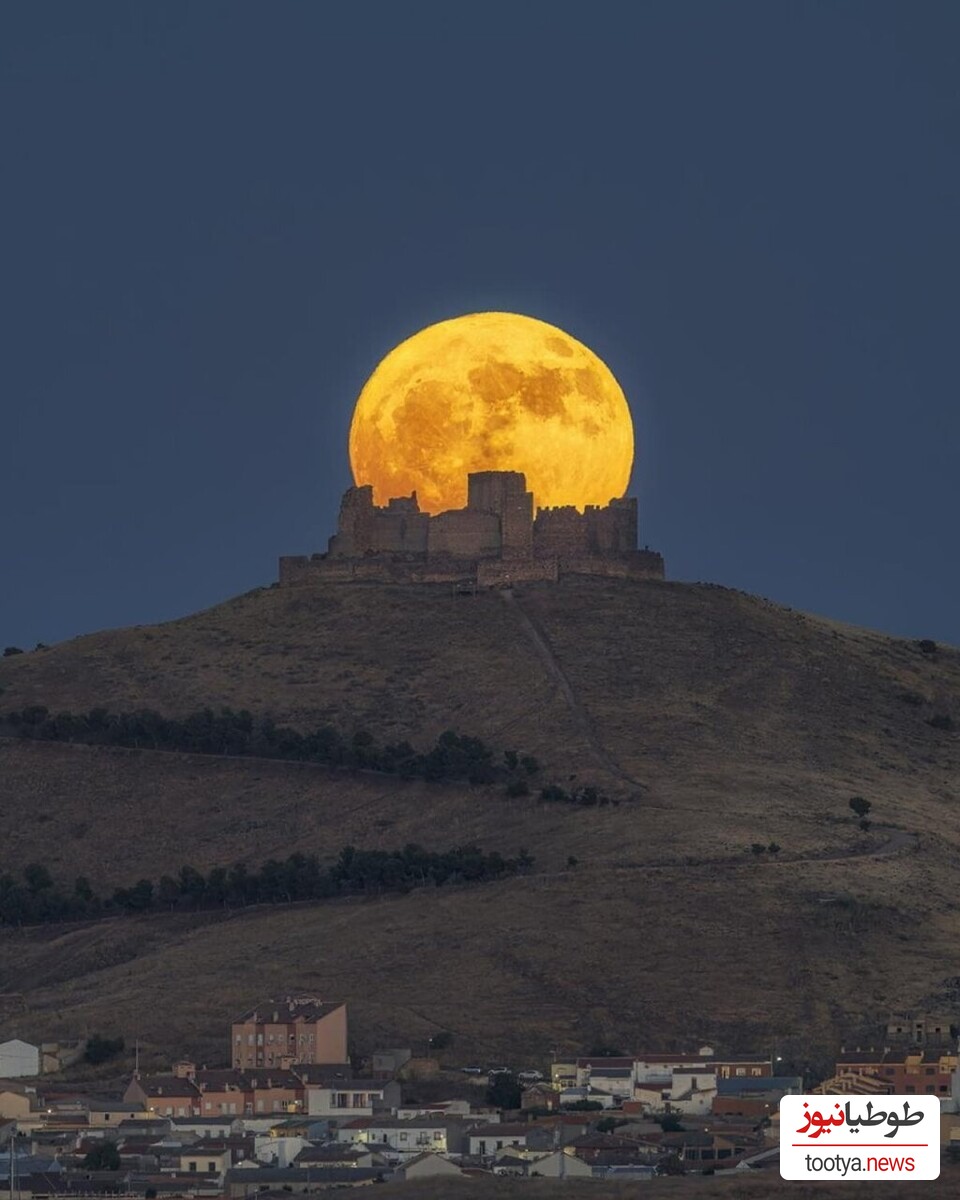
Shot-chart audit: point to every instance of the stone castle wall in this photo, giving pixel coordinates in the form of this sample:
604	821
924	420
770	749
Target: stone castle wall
494	541
463	533
298	570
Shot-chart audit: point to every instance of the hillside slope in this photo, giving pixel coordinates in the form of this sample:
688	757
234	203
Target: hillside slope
718	719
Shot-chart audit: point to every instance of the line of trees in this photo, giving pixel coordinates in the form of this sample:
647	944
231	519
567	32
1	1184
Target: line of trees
588	797
227	732
36	899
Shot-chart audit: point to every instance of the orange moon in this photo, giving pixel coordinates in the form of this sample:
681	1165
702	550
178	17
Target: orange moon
492	392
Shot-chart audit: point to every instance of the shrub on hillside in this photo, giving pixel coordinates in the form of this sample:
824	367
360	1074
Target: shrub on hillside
100	1049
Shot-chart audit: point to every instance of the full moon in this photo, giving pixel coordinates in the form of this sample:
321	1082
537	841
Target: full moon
492	392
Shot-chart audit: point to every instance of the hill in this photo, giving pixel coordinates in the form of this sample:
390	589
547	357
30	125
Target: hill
717	719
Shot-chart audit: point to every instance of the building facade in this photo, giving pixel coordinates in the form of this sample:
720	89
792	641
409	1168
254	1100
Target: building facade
293	1029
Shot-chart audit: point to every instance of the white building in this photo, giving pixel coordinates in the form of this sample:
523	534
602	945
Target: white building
351	1098
278	1151
692	1091
405	1137
18	1059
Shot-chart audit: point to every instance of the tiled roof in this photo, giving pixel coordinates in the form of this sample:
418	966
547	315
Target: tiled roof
289	1008
283	1175
167	1085
516	1130
248	1078
679	1059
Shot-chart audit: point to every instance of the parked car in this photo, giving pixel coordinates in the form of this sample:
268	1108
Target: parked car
499	1071
472	1070
530	1076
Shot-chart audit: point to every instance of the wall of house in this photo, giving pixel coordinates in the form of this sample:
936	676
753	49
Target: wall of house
18	1059
331	1037
255	1043
13	1106
424	1168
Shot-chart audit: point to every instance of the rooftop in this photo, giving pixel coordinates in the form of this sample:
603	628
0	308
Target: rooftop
289	1008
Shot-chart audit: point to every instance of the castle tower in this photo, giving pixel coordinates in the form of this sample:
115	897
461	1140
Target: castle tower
613	529
505	494
355	527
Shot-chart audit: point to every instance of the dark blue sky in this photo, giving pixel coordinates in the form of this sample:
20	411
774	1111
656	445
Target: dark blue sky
217	218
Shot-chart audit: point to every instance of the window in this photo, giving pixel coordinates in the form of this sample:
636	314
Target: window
929	1088
211	1166
741	1070
239	1038
249	1039
259	1039
928	1070
403	1137
191	1166
358	1100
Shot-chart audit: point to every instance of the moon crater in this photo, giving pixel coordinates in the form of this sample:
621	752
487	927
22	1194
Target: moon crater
492	391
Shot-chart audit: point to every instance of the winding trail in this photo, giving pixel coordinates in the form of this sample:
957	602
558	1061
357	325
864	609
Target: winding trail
541	643
899	841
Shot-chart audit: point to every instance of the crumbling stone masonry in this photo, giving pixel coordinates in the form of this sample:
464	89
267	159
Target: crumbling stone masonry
495	541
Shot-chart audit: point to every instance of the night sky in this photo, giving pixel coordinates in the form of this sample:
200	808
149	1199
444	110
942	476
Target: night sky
218	217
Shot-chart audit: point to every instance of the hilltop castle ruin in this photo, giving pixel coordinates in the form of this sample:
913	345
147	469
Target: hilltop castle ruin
495	540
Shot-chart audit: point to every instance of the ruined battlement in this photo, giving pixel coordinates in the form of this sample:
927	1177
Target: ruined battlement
497	539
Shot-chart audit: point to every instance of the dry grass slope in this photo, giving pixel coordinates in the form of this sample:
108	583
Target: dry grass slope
742	720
